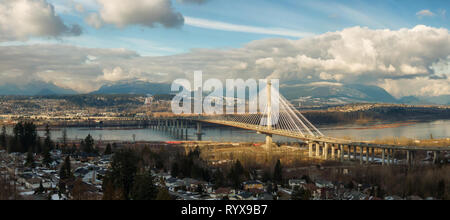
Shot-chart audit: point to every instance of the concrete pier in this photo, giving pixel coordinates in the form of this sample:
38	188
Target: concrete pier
333	153
360	155
199	131
317	150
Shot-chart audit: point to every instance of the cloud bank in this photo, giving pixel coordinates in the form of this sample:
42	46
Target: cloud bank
141	12
405	62
22	19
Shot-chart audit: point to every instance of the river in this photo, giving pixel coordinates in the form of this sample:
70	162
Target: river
421	130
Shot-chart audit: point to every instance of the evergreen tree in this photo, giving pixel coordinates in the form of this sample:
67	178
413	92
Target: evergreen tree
163	194
65	175
199	189
122	173
218	179
236	174
440	194
38	147
144	187
300	194
40	190
175	170
48	143
30	160
64	137
88	144
3	138
47	160
108	150
278	173
29	137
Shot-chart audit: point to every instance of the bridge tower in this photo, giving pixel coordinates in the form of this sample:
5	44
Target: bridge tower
269	140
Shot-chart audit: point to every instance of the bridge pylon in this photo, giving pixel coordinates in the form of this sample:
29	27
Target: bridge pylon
269	140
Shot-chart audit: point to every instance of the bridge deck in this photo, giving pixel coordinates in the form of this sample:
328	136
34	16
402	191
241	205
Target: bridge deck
308	138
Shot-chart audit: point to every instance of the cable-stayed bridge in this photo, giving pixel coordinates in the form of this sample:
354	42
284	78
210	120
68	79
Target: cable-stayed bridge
277	116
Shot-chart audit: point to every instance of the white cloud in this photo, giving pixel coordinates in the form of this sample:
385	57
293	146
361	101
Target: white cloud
425	13
217	25
94	20
405	62
22	19
149	13
193	1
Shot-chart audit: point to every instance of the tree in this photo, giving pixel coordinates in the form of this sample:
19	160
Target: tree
236	174
47	160
30	160
48	143
40	190
3	138
199	189
108	150
175	170
278	173
66	171
300	194
88	144
122	173
64	137
144	188
163	194
440	194
79	190
218	179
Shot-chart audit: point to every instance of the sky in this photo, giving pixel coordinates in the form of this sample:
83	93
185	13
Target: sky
402	46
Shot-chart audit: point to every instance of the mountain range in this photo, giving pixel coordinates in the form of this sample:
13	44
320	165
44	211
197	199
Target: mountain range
36	88
323	91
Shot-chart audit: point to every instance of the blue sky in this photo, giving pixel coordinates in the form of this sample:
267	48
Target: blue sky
399	45
304	18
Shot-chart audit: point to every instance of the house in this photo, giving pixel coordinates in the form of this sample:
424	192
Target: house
355	195
223	192
246	196
297	182
192	184
393	198
174	184
324	184
253	185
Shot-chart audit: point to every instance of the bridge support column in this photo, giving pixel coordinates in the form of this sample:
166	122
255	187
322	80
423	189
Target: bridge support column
348	152
392	157
177	132
187	128
408	158
435	157
269	142
181	129
317	150
373	155
389	157
361	155
166	128
325	151
310	149
355	152
341	153
199	131
367	155
333	154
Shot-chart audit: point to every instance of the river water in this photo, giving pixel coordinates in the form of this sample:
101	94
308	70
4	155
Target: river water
422	130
